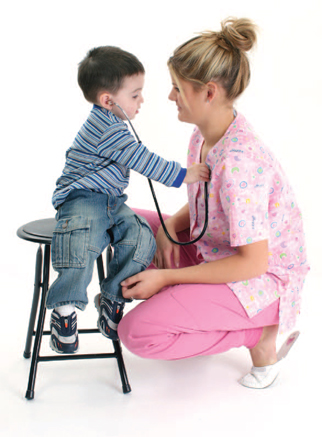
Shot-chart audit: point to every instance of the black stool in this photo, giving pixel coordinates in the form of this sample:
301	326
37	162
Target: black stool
41	231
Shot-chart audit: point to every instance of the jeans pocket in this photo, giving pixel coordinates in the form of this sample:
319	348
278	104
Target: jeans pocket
146	245
70	242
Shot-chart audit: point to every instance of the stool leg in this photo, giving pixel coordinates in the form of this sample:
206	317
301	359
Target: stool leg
35	302
40	326
100	269
119	356
117	344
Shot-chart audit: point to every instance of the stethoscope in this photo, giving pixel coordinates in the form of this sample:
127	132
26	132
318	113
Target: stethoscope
186	243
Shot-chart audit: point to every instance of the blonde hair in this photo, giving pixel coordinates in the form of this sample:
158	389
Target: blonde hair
217	56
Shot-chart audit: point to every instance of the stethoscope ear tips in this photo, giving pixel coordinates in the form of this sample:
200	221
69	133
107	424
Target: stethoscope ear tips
110	102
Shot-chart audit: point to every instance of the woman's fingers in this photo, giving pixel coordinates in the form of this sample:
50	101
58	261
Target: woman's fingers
176	255
127	283
143	285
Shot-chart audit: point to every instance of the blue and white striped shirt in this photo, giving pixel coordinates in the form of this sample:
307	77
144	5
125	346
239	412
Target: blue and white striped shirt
102	155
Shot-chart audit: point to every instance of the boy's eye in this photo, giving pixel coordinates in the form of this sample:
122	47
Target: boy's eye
135	97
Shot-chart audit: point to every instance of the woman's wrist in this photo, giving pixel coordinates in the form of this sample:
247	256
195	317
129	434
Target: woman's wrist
179	221
170	277
170	222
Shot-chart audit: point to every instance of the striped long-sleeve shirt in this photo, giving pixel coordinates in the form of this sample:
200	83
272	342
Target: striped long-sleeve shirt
102	155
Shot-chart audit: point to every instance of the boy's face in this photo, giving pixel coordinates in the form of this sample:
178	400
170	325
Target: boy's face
129	97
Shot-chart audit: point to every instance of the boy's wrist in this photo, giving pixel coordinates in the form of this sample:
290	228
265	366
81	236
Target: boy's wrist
180	178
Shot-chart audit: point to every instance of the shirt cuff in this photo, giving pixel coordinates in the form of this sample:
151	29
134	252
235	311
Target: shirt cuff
179	179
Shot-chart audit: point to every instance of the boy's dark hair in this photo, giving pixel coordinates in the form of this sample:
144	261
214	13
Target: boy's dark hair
104	68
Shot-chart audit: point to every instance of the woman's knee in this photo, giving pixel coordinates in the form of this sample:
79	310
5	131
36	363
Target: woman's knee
139	335
130	333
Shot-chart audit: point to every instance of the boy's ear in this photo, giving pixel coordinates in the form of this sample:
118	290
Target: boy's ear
105	100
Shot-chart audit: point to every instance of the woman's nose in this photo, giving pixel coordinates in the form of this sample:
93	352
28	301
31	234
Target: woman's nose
171	96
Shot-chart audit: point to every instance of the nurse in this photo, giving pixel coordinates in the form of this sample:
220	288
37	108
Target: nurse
241	283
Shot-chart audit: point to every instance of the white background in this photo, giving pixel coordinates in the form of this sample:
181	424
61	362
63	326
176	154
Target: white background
42	109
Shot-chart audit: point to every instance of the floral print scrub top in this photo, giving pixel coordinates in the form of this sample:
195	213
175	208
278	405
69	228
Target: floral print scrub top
250	199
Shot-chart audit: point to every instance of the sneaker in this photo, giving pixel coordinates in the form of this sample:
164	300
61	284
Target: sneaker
110	314
64	335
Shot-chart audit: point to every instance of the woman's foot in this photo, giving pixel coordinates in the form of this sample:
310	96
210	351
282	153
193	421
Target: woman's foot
264	353
267	363
265	366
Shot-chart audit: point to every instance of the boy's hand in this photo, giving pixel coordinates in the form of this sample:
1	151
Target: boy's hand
196	173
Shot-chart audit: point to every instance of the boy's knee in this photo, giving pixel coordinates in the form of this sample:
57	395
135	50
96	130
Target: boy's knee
146	245
139	236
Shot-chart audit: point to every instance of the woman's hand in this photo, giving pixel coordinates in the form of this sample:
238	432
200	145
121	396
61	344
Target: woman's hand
166	249
144	284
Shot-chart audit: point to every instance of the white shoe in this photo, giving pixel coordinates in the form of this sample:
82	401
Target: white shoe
262	377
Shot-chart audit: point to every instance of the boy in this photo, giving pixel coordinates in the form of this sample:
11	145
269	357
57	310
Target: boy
89	198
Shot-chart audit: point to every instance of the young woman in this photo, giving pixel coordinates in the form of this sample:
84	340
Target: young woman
240	284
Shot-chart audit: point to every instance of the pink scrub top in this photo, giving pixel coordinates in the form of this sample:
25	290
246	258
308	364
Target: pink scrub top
250	199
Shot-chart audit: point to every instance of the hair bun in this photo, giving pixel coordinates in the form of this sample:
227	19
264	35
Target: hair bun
217	56
239	33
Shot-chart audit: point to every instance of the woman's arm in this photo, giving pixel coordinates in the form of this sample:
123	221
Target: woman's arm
250	261
165	249
180	221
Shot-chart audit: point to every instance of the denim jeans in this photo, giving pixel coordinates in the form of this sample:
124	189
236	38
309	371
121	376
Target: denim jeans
87	222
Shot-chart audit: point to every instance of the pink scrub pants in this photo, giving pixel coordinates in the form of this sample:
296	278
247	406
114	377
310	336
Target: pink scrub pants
188	320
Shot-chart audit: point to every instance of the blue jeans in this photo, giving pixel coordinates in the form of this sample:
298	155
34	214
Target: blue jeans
87	222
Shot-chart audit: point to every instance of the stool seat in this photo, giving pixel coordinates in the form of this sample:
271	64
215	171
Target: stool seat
41	232
38	231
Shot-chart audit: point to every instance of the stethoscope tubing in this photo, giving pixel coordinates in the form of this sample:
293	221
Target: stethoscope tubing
180	243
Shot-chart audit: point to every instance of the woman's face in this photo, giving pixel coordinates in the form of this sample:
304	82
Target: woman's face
190	103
